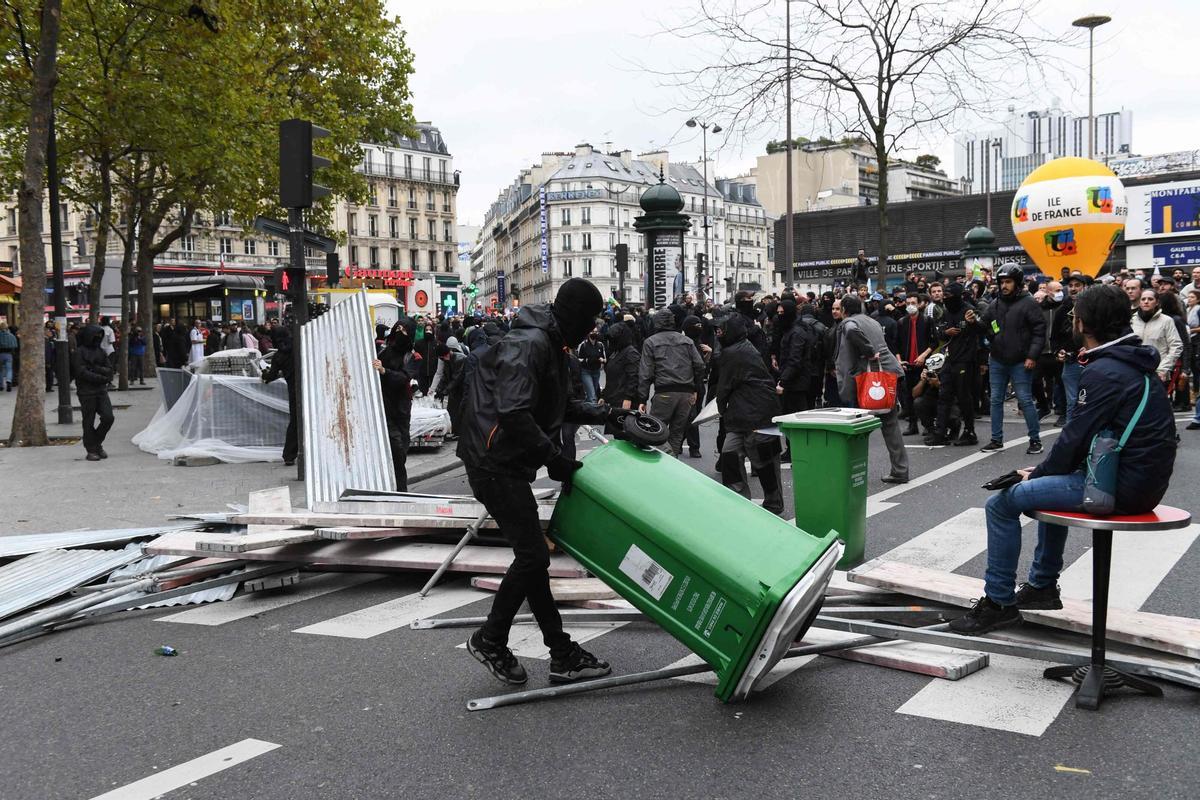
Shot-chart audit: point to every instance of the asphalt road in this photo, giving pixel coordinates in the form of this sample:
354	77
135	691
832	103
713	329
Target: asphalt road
92	710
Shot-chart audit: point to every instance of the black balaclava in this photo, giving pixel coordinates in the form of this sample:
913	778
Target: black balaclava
745	305
576	307
789	313
402	334
731	329
953	297
693	327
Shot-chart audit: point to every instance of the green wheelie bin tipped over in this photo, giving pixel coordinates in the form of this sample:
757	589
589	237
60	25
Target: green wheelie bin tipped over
731	581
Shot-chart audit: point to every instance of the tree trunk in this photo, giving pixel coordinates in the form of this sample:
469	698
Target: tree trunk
145	300
29	415
104	165
881	156
127	283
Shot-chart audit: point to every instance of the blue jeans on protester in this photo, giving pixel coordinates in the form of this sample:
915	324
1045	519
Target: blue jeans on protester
1004	509
1022	381
6	370
591	383
1070	383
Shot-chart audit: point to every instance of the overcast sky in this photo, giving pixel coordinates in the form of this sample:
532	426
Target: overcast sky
505	81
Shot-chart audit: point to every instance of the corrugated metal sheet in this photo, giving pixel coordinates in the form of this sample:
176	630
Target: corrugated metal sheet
33	580
26	543
345	433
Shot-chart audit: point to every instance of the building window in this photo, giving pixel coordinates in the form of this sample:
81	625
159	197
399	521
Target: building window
408	173
412	259
272	248
567	268
442	169
612	241
612	216
224	218
354	255
187	243
395	258
432	230
425	168
394	227
250	247
429	200
587	268
445	201
412	196
585	215
372	225
446	232
391	190
587	241
352	224
566	242
449	262
374	254
432	257
566	216
226	246
373	194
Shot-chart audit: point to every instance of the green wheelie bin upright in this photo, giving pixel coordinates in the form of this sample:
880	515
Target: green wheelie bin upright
829	473
731	581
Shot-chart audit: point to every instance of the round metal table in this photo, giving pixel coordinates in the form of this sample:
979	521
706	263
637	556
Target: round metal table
1098	677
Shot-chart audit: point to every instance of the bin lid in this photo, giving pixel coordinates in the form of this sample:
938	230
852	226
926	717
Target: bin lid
851	419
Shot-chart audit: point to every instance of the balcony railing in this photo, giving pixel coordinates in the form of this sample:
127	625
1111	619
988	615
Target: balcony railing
384	171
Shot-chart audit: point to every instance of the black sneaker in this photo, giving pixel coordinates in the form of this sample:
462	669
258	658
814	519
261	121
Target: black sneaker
577	665
101	453
1060	420
911	430
992	446
1193	426
1034	448
937	440
694	453
499	660
1031	598
966	440
984	617
93	457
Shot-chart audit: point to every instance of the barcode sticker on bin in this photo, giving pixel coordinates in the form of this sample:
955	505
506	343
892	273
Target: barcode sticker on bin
647	572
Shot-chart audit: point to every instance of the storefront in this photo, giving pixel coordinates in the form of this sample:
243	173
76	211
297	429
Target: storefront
1163	229
214	298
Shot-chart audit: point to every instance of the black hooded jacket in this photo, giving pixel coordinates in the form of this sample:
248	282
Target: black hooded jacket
960	348
395	380
1016	327
519	398
1110	389
745	392
621	369
89	364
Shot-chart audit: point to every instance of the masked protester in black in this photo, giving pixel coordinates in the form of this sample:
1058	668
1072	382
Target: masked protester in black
90	368
283	365
396	385
512	418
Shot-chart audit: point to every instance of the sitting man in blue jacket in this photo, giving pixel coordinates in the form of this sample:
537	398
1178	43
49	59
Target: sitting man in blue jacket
1110	391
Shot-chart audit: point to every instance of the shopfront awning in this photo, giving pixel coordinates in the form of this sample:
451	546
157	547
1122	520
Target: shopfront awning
165	291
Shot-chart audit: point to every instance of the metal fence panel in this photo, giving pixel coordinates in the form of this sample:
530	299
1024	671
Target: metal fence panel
33	580
345	433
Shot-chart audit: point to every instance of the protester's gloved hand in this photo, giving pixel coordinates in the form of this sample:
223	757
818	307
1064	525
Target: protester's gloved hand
562	469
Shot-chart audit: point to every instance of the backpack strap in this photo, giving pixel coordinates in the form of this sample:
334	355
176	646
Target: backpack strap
1137	415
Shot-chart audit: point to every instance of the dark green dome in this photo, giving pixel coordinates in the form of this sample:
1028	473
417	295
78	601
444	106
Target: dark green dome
661	199
980	235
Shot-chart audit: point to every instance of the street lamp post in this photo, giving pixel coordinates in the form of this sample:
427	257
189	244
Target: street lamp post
704	126
1091	23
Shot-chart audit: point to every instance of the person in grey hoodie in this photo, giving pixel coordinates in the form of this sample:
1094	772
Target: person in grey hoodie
672	364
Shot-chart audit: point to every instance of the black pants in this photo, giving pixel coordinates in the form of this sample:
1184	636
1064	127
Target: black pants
93	406
510	502
912	376
958	380
1047	373
692	437
290	446
135	368
398	425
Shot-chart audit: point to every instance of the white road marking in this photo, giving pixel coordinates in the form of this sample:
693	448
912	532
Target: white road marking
399	613
190	771
1009	695
778	672
946	546
1140	561
249	605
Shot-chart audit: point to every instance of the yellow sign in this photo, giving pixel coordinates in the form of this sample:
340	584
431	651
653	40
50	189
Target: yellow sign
1069	213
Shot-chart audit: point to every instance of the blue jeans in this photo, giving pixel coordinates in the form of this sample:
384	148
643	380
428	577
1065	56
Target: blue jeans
1004	509
591	384
5	370
1070	382
1022	381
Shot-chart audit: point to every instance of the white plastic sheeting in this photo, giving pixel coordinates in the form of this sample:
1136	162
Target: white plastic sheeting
429	421
230	417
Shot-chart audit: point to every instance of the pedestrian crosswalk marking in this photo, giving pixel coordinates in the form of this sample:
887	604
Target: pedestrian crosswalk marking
398	613
780	671
249	605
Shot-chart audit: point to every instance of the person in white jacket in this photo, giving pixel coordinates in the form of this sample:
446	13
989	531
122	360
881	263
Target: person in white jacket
1157	330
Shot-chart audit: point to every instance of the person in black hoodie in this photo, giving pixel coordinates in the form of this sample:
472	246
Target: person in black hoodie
1016	328
797	349
693	328
1118	372
512	420
396	385
744	304
621	368
283	365
91	370
747	402
957	332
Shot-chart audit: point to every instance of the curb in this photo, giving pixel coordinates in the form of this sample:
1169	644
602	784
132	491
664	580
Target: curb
434	471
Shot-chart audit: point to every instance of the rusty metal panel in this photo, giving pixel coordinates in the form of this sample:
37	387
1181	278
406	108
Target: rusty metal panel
345	433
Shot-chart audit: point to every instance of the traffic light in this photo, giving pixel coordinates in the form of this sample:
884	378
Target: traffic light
333	269
701	260
297	163
622	251
287	279
729	286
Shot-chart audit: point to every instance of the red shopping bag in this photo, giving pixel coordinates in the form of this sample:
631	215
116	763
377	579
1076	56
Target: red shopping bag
876	391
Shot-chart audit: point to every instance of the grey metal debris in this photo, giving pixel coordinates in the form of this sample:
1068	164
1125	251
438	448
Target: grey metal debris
33	580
